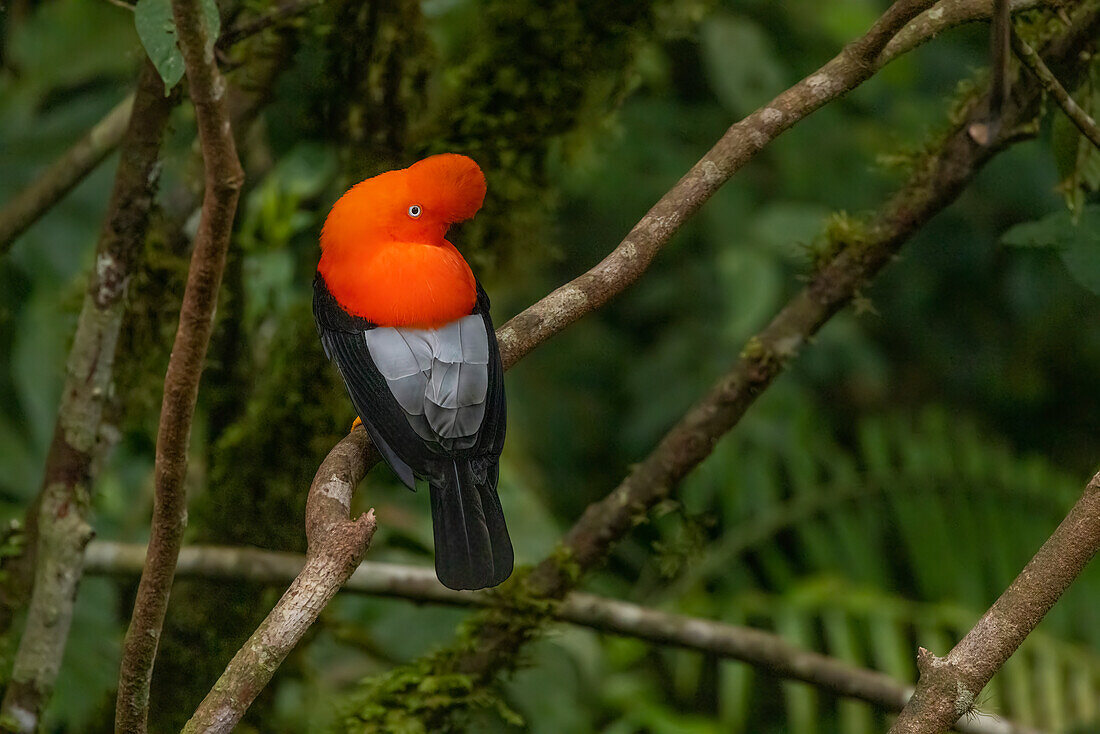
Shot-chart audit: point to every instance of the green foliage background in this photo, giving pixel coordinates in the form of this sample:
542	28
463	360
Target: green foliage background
878	497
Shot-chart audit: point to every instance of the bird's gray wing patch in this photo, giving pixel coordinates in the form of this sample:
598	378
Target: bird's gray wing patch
439	377
393	355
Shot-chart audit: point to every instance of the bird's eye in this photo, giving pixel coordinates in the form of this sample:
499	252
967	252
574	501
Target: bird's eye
414	211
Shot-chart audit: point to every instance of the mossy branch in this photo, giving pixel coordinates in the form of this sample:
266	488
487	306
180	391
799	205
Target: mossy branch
1077	114
57	527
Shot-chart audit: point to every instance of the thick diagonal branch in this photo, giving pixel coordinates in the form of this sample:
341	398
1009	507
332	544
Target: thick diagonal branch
223	181
760	649
57	522
337	544
949	686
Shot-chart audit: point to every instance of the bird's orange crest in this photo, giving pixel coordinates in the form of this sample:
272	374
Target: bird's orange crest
384	255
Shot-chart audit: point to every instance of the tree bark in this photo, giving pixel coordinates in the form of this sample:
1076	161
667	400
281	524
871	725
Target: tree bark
1077	115
337	544
949	686
58	527
223	180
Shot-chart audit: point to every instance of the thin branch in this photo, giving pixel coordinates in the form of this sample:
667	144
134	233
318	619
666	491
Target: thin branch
989	129
1074	111
760	649
491	645
223	181
58	527
61	176
850	68
949	685
277	15
337	544
945	15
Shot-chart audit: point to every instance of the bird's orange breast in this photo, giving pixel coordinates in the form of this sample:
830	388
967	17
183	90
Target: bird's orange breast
401	283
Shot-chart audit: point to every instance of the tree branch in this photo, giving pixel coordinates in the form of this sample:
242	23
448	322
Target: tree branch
760	649
223	181
278	14
945	15
57	522
34	201
61	176
337	544
949	685
80	410
851	67
986	131
1074	111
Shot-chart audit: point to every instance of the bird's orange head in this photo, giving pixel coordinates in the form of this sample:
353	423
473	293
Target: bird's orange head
383	251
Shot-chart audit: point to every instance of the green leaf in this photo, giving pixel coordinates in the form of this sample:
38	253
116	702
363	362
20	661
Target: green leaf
1052	231
1077	159
1082	258
157	31
1078	242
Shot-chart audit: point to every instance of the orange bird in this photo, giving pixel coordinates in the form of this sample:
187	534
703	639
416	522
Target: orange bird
407	324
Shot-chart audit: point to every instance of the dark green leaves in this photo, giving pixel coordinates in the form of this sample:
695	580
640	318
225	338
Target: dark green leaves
1078	242
157	31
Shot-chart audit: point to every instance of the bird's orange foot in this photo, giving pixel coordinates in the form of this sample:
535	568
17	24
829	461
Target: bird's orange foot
358	422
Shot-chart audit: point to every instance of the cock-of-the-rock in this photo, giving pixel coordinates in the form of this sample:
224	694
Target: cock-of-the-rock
406	322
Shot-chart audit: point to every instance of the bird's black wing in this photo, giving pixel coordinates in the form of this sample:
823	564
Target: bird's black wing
491	435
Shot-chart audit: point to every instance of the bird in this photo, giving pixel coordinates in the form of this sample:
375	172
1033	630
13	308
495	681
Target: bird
402	316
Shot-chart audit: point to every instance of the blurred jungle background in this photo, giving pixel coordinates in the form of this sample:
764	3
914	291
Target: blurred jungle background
879	496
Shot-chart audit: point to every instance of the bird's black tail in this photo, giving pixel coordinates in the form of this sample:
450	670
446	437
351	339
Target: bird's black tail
472	548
